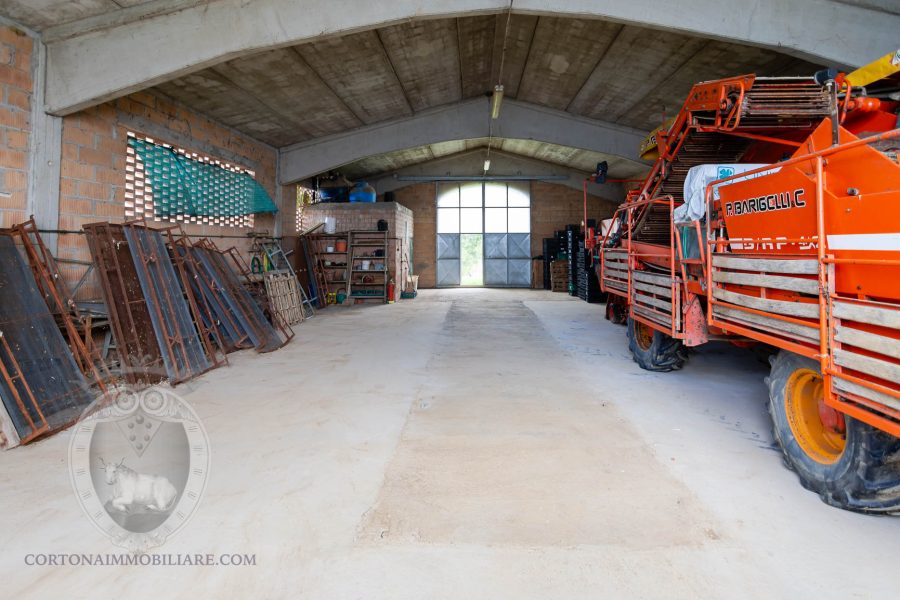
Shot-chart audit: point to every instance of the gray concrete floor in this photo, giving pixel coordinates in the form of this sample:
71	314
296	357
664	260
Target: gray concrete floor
471	444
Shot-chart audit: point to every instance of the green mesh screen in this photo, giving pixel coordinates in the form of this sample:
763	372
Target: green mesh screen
186	186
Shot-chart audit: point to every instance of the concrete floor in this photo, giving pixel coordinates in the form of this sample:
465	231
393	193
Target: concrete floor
471	444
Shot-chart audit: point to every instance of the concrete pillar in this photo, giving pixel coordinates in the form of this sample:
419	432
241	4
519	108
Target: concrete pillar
45	155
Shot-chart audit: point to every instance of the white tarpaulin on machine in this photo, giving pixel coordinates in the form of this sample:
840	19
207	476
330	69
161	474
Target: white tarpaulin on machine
694	207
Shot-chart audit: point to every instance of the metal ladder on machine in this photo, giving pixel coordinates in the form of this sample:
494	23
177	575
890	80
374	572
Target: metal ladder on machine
279	261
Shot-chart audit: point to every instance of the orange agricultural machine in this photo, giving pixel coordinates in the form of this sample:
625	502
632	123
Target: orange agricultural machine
772	216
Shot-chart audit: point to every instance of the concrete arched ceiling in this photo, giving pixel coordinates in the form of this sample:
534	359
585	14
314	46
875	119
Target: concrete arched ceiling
323	79
114	52
597	69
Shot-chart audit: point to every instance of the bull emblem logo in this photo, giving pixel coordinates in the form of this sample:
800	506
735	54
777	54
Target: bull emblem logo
153	492
139	463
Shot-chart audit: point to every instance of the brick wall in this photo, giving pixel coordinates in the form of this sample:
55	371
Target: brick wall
93	167
15	123
553	206
420	199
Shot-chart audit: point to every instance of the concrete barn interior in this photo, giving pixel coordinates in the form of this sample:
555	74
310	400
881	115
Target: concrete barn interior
344	299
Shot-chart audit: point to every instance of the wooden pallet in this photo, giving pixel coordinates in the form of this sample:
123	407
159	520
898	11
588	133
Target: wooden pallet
284	294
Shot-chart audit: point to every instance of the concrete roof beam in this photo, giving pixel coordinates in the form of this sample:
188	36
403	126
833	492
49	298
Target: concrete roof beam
86	69
462	121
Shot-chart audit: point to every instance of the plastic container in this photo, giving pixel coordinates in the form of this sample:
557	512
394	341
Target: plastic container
330	225
362	192
340	246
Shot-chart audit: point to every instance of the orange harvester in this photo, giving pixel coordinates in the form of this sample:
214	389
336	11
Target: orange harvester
772	216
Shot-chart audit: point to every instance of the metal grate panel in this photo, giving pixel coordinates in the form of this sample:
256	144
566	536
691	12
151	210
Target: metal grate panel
182	352
40	385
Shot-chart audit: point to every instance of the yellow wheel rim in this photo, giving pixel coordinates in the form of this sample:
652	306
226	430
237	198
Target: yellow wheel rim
643	334
804	401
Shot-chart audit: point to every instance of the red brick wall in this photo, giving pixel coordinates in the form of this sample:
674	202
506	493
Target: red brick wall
420	199
553	206
15	123
94	142
92	185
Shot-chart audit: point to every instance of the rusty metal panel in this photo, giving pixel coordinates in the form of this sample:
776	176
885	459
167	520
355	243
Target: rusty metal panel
183	353
139	353
61	303
239	301
217	332
41	386
227	318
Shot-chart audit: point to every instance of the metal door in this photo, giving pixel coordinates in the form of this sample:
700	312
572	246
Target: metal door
495	253
518	266
447	259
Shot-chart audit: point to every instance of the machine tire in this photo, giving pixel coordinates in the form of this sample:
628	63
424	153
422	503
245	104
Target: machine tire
654	350
864	478
616	312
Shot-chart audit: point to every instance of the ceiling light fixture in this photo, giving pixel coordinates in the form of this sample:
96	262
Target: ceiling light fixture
497	95
496	101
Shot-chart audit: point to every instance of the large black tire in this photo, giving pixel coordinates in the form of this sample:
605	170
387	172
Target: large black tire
616	312
864	478
654	350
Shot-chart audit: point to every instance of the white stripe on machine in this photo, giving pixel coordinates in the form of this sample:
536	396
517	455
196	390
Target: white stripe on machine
864	241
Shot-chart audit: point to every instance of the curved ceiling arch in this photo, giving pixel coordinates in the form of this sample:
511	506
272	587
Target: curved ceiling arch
109	61
462	121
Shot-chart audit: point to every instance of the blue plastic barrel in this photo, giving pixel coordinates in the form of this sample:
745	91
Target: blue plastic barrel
362	192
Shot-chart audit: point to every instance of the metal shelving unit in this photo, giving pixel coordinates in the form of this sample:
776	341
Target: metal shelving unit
368	249
334	265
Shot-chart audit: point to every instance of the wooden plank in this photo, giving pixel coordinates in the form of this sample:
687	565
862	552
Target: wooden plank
794	284
611	283
653	289
873	315
616	266
663	280
624	272
842	385
794	309
663	304
865	364
740	317
791	266
869	341
652	316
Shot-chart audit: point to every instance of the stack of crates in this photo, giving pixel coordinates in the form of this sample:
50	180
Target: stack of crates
559	276
588	284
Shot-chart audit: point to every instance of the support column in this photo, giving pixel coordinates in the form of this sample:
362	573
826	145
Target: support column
46	153
279	197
